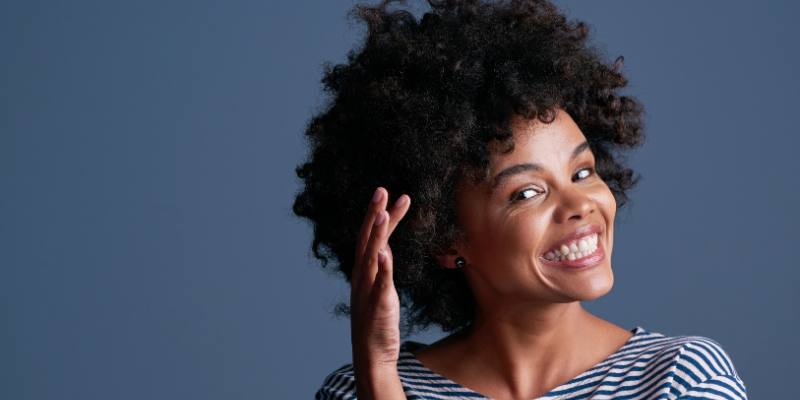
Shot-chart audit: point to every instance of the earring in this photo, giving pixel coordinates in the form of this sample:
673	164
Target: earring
460	262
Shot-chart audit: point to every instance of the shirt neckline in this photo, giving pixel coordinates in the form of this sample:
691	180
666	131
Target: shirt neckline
410	345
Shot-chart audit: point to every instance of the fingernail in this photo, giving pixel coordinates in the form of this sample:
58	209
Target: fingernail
381	218
377	196
381	255
401	201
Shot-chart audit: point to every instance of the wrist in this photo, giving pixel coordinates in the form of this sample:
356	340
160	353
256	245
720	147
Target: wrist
378	382
374	364
377	371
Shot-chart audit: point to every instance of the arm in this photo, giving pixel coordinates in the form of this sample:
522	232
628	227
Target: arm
379	384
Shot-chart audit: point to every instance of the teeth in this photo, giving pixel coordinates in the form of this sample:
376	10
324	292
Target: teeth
575	250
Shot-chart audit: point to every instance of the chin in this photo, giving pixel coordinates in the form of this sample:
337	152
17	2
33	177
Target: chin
597	286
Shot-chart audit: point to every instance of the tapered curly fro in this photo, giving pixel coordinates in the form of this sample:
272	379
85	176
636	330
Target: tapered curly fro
415	109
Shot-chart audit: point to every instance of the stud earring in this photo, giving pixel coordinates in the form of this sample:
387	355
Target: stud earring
460	262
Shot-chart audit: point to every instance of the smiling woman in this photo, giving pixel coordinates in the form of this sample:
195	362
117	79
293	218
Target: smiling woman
495	178
543	213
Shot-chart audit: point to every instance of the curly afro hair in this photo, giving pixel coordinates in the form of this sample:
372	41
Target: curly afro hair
414	110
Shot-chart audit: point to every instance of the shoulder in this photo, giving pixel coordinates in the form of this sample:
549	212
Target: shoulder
689	365
339	384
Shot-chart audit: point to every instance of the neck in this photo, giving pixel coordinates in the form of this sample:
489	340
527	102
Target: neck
529	349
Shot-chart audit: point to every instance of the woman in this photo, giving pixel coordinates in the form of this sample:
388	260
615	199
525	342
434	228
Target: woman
488	137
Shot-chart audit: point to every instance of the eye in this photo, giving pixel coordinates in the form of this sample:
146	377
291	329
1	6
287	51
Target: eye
590	172
518	196
583	173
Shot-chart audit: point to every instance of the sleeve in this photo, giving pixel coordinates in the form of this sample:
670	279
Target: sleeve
728	387
337	386
704	370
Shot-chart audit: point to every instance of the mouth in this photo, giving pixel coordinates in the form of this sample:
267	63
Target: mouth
580	248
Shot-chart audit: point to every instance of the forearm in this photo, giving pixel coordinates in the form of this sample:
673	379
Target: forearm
379	384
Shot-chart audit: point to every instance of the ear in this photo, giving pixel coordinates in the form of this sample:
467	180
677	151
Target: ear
448	259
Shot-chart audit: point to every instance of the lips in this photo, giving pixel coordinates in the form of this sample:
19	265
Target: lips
582	231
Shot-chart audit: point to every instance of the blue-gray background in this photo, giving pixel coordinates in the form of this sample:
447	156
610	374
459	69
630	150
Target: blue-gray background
147	244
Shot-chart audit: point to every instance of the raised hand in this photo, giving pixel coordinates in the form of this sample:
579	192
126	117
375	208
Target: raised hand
374	303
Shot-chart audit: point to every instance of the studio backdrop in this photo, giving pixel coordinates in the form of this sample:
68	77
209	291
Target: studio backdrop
148	249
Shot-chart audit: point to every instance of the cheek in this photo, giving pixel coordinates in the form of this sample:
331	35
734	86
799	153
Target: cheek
605	200
522	234
609	203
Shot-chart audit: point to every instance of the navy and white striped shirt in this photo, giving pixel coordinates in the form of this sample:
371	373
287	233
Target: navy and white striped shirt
649	365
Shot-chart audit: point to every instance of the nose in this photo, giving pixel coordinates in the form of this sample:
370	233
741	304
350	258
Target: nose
573	203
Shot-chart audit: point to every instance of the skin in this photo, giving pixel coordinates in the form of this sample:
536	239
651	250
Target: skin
531	333
375	305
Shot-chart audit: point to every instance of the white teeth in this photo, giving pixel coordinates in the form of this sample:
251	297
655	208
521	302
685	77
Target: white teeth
575	250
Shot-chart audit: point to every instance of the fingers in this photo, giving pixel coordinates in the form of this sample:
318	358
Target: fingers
398	211
366	265
377	240
383	287
377	204
383	279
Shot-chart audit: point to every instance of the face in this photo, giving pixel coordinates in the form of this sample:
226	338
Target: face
512	220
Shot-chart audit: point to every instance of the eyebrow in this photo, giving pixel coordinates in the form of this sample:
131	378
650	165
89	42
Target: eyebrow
520	168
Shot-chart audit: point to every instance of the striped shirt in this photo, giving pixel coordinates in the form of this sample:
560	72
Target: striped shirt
649	365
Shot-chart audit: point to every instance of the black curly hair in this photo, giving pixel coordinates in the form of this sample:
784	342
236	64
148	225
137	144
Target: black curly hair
414	110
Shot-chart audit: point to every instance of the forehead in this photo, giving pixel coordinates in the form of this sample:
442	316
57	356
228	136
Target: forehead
536	141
